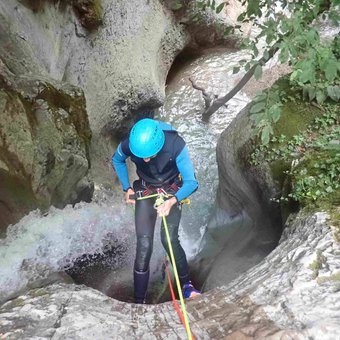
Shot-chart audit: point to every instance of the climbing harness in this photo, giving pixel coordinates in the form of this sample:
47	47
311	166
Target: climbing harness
152	191
161	194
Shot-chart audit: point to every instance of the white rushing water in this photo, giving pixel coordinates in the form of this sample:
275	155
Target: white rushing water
40	245
183	108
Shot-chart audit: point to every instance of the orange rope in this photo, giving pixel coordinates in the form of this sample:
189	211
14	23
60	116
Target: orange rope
174	298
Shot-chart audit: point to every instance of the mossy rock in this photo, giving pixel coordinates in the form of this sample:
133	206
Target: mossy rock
38	292
44	146
296	114
332	278
16	303
89	12
296	118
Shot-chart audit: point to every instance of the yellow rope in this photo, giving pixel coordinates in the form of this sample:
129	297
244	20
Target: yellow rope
159	201
177	279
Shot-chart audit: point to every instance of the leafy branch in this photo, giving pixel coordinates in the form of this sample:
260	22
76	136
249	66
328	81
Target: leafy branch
286	28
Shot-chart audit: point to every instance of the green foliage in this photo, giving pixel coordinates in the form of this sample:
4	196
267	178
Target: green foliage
314	155
285	26
265	111
177	6
211	4
316	177
317	72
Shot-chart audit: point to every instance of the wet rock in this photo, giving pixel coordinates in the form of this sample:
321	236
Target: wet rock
277	299
89	12
286	286
78	312
44	144
121	66
245	225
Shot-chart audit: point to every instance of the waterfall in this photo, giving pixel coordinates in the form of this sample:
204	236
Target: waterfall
40	245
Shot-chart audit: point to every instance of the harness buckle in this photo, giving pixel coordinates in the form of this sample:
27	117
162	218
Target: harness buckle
139	194
162	192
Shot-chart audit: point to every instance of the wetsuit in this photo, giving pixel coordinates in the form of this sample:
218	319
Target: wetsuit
161	171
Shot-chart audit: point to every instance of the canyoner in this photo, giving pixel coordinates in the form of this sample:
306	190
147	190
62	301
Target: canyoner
165	170
188	292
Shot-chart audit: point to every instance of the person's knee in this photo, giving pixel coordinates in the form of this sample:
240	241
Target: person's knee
144	250
173	238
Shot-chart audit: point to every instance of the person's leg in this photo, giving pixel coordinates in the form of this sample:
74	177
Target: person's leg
145	219
173	220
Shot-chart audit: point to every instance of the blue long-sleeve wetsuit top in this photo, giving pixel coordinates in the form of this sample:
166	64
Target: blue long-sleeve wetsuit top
172	160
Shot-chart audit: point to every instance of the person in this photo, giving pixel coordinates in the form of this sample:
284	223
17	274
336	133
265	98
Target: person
162	163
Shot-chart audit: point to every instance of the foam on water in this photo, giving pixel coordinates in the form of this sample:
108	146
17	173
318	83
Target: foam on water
182	108
39	245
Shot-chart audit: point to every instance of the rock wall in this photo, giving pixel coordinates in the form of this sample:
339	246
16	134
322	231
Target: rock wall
245	225
118	53
121	66
44	143
298	284
282	297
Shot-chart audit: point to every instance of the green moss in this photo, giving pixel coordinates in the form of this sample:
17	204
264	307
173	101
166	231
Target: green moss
331	204
72	103
98	9
278	169
19	302
296	114
38	292
307	135
318	264
89	12
332	278
295	118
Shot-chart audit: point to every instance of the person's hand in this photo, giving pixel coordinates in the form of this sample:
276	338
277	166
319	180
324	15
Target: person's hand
164	209
127	198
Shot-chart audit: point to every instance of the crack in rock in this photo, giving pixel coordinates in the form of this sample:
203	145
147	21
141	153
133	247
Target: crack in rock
62	312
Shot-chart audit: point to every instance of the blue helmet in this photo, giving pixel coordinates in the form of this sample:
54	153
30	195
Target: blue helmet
146	138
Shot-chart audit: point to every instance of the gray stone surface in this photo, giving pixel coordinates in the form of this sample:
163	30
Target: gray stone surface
60	312
292	294
245	225
121	66
298	284
45	138
280	298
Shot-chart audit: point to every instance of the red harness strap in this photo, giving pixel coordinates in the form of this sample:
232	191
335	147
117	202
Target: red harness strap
150	189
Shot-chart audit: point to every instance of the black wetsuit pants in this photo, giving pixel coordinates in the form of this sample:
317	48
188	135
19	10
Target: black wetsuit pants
145	220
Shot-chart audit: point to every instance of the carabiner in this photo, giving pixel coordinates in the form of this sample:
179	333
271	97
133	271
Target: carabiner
159	200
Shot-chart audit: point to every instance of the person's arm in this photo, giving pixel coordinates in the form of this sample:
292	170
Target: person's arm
119	163
187	172
190	183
